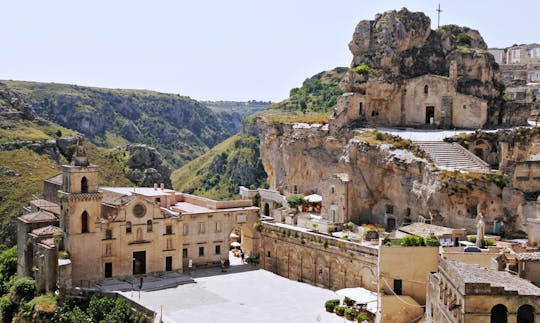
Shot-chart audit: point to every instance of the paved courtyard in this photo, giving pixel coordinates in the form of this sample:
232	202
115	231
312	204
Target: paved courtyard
242	294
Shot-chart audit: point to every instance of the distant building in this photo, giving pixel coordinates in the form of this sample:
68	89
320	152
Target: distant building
82	233
460	292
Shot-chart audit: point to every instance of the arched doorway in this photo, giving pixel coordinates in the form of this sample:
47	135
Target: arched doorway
266	209
499	314
525	314
240	245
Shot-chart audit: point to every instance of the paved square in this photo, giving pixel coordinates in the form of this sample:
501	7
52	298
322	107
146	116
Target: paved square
240	296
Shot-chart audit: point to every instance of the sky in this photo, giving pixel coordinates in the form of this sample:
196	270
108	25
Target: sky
215	50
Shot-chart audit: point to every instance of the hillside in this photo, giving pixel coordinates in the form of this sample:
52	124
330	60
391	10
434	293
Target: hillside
218	173
318	93
179	127
32	149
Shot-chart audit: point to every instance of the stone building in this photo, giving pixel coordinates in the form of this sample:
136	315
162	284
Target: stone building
102	232
460	292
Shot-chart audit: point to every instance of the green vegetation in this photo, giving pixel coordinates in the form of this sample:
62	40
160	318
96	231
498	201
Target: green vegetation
414	241
331	304
317	94
487	242
295	200
362	69
464	39
471	179
339	310
218	173
179	127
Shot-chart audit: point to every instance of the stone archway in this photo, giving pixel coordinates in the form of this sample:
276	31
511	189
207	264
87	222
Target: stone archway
336	279
307	268
368	278
282	259
294	264
321	272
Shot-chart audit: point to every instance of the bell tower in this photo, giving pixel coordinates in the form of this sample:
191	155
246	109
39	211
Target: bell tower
80	213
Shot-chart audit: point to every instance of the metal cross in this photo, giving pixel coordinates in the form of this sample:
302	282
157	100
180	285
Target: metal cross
438	16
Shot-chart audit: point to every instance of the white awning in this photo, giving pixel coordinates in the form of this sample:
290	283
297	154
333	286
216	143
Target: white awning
235	244
313	198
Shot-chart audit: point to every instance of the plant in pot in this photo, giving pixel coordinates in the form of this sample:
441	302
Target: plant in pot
331	304
362	317
339	310
349	314
349	302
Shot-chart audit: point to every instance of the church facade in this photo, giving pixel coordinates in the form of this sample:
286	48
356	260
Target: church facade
81	233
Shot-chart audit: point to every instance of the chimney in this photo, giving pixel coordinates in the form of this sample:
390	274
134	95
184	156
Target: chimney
155	186
162	186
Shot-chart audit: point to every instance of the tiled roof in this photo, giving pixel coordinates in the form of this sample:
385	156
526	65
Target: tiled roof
115	198
528	256
472	273
40	216
48	242
45	205
48	230
56	179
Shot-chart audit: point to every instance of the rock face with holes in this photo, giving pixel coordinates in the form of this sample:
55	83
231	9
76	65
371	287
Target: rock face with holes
389	186
403	73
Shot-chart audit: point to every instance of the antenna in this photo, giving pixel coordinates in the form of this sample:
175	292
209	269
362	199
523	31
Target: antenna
438	16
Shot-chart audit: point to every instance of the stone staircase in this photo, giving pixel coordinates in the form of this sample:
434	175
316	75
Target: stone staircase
452	156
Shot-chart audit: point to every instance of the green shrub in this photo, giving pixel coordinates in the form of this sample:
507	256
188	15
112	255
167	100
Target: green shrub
349	312
379	135
331	304
258	226
412	241
362	69
339	310
325	243
349	302
463	39
6	309
23	289
432	241
295	200
362	317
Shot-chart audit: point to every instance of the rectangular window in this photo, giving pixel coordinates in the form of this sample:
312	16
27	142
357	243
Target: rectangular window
218	250
398	286
201	251
201	227
389	209
185	230
168	229
184	253
218	226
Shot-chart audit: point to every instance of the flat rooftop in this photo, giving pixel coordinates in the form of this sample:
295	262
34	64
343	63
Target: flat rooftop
146	191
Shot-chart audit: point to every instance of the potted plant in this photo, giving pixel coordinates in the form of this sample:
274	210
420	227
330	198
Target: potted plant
331	304
349	302
340	310
362	317
349	314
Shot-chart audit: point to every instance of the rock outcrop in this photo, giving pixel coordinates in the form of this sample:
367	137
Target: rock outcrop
146	166
398	47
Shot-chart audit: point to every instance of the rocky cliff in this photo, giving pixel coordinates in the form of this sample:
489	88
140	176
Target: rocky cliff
400	45
383	174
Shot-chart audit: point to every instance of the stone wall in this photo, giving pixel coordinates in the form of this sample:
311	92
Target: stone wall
317	259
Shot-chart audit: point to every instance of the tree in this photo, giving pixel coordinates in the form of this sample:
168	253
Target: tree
295	200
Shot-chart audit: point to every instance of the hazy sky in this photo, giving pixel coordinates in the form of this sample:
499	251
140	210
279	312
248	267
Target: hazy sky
230	50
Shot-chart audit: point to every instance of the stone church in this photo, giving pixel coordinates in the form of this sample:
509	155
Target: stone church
80	233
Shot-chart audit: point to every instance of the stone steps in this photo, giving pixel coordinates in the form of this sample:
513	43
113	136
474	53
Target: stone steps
453	157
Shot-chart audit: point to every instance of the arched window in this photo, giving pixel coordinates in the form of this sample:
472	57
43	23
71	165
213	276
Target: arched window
149	226
108	234
128	227
84	185
525	314
426	89
499	314
84	222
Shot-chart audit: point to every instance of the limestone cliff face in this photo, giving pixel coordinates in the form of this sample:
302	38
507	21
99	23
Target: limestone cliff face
301	156
398	46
